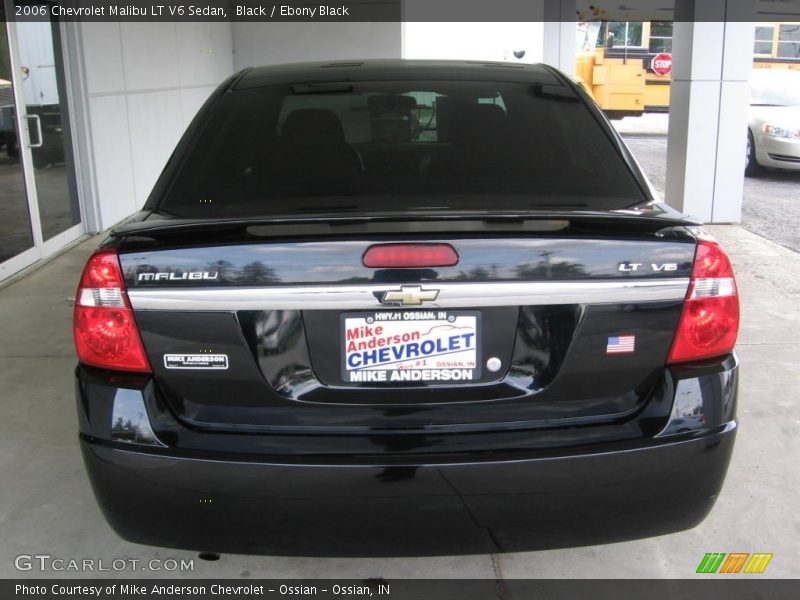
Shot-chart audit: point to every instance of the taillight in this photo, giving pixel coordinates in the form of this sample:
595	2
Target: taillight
387	256
710	320
103	325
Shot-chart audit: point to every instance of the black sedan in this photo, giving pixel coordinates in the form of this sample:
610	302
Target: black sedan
404	307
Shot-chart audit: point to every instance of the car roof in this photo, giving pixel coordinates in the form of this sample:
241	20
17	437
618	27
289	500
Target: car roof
397	70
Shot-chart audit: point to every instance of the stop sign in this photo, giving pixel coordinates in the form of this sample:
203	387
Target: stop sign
661	64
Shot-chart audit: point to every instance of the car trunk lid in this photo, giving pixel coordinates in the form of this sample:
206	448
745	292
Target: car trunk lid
549	321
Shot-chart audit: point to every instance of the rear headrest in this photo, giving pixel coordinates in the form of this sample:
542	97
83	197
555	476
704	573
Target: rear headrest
477	122
313	126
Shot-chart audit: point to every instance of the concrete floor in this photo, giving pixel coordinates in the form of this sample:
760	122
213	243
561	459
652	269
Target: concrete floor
47	507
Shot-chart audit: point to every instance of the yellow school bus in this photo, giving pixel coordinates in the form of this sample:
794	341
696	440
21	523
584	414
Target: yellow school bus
625	65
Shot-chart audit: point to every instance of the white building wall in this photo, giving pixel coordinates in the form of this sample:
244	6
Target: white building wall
273	43
474	41
144	83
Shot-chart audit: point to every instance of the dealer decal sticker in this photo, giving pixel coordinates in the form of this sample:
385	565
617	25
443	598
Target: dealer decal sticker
395	346
196	361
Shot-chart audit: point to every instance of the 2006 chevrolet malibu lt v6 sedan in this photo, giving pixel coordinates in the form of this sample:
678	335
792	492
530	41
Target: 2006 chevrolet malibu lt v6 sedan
403	307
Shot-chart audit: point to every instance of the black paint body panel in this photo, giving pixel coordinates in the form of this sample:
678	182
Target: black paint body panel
553	352
475	507
390	494
338	261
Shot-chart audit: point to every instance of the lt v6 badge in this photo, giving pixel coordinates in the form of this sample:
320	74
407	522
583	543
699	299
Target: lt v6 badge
628	267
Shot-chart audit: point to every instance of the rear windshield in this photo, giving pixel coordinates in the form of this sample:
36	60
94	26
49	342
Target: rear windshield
395	146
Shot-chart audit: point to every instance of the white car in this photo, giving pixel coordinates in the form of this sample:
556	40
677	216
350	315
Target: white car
773	134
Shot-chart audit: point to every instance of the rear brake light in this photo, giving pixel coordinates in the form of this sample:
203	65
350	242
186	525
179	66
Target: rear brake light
385	256
105	331
709	324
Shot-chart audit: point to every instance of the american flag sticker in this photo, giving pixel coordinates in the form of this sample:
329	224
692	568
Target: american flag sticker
622	344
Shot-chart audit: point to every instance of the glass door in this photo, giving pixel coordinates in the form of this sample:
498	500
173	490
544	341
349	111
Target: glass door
17	244
41	213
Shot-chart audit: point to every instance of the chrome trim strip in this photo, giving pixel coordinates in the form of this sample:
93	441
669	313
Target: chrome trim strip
451	295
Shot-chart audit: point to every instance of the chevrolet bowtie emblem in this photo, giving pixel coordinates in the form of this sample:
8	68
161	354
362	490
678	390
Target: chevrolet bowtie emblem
409	295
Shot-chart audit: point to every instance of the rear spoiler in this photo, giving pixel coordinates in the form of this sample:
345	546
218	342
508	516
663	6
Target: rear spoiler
156	225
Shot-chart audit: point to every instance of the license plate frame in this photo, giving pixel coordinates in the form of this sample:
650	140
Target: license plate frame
448	347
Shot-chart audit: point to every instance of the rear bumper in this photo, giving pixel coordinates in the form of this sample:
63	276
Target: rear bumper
440	498
255	507
251	507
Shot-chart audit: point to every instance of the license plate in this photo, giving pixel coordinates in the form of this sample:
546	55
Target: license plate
411	346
